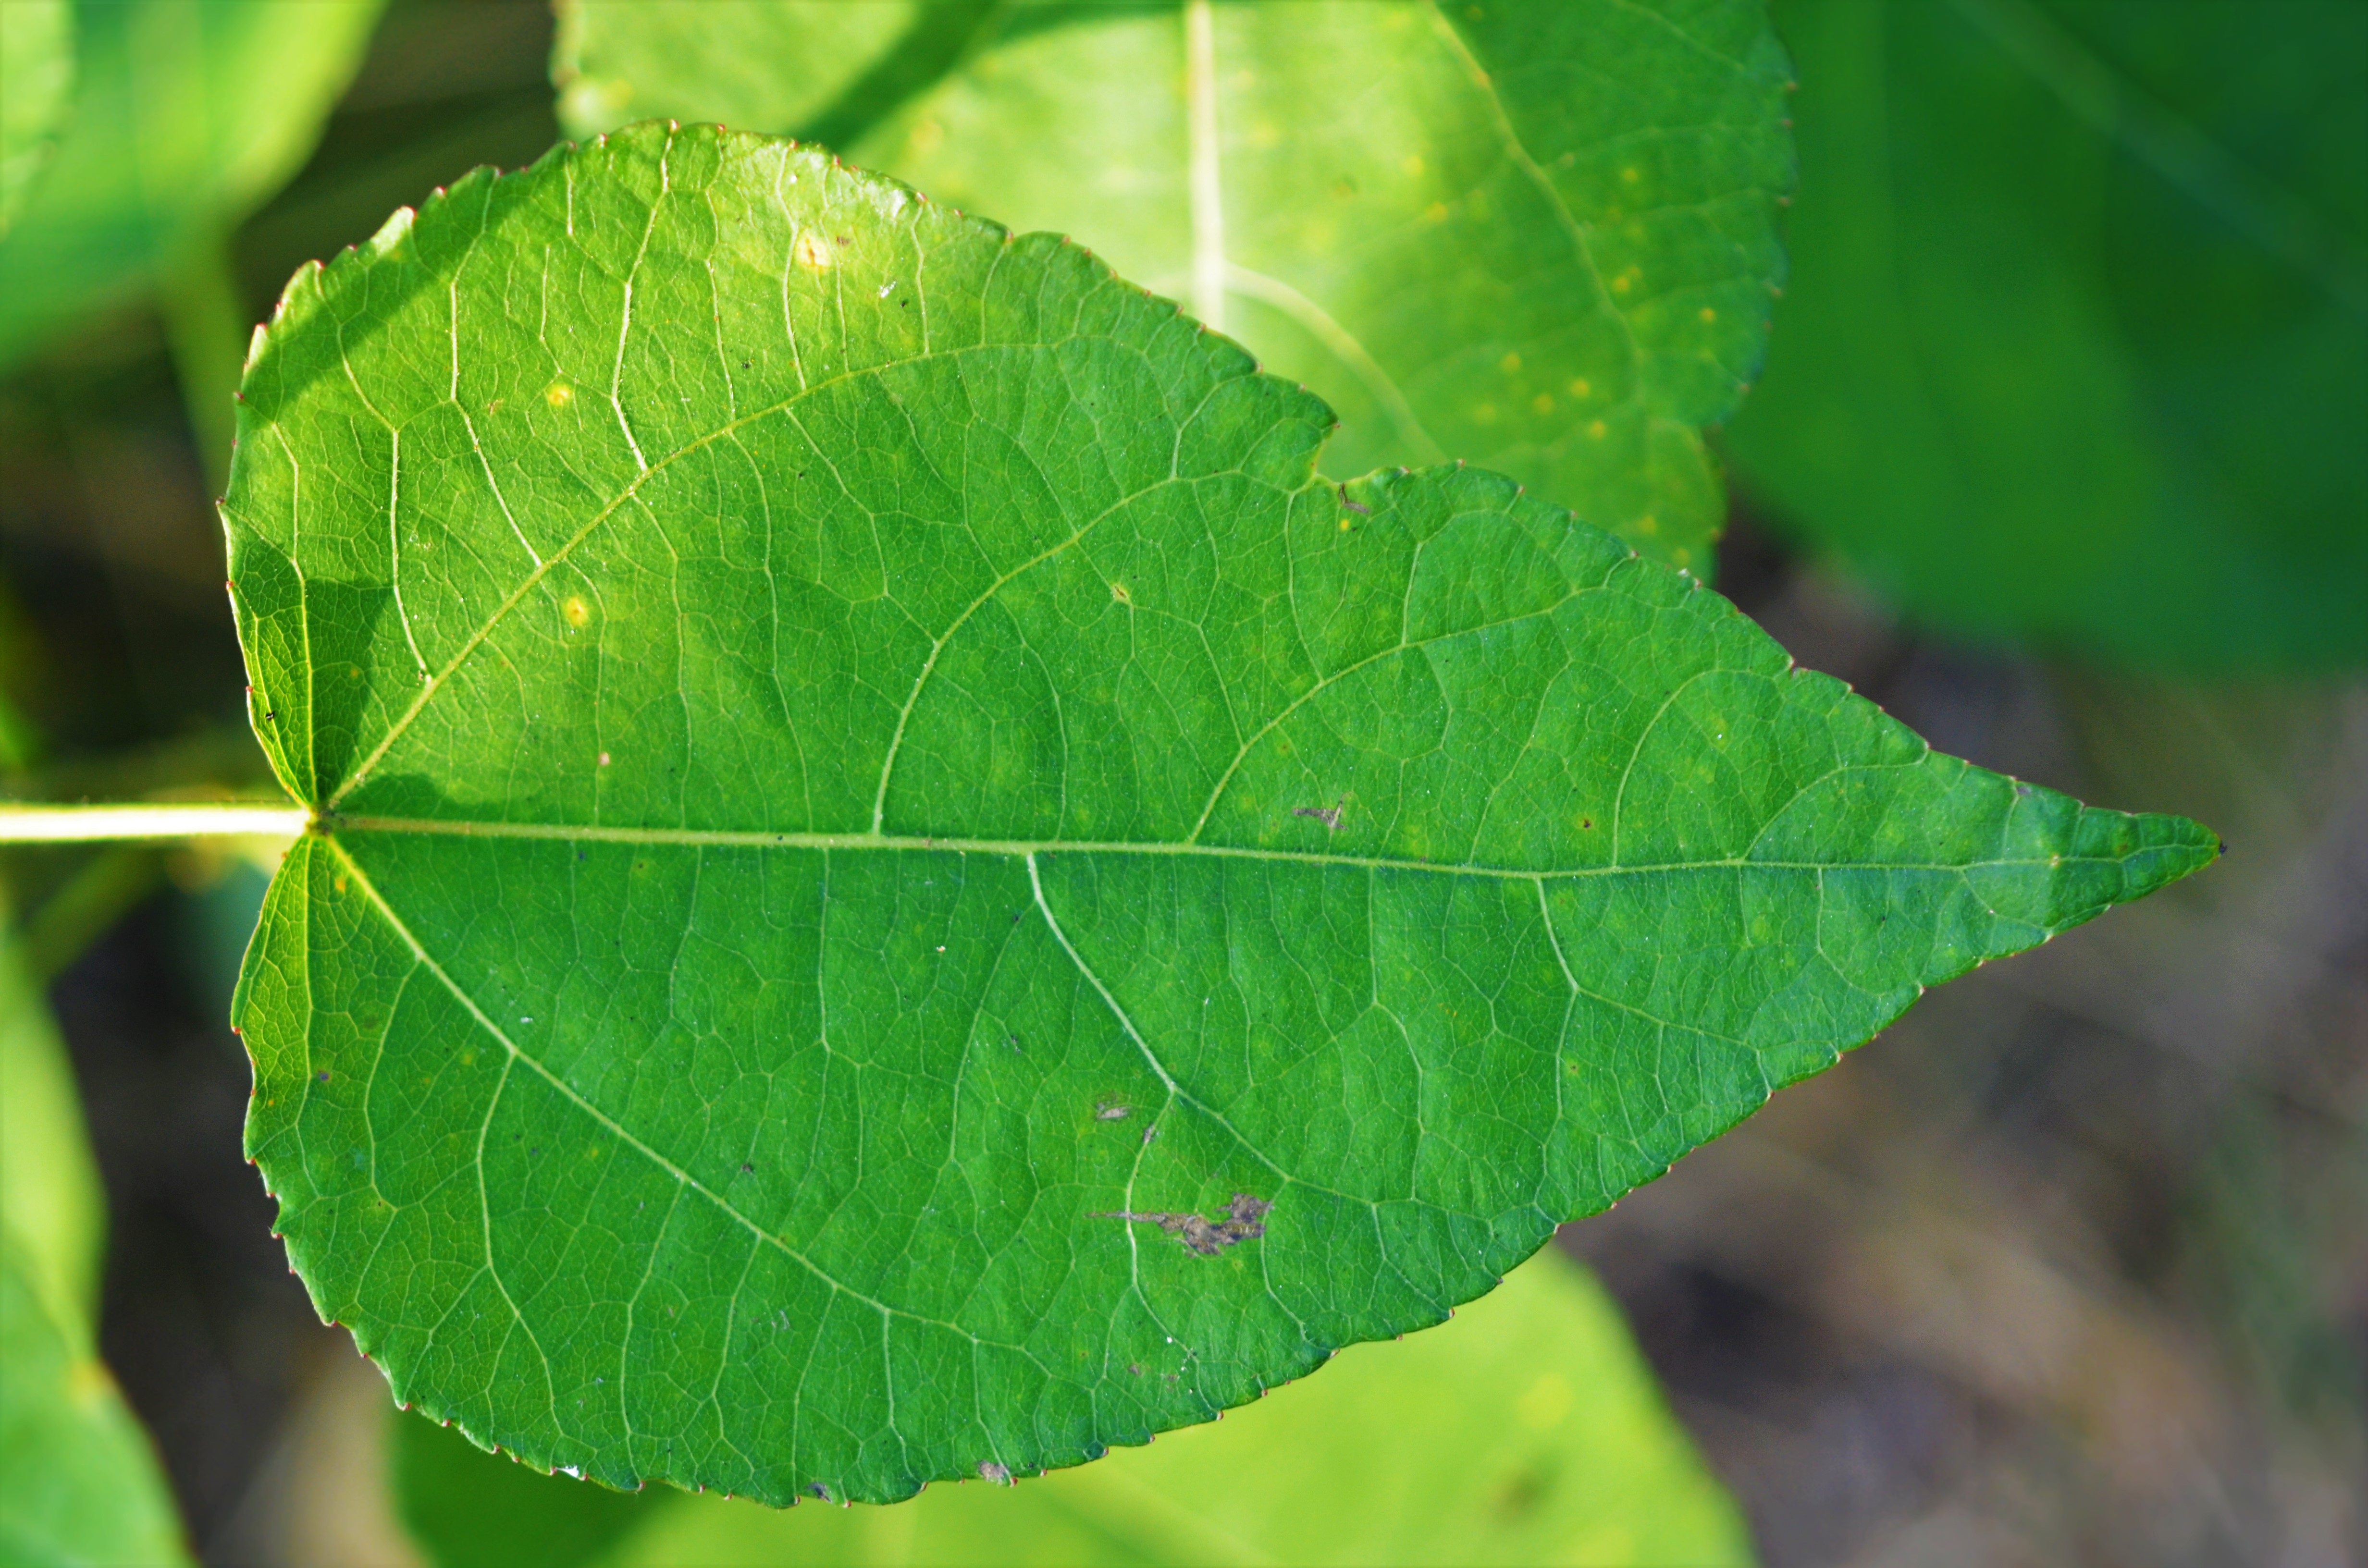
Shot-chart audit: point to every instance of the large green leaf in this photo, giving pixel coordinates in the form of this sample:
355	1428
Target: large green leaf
1527	1431
900	887
78	1484
37	57
2077	344
1537	234
186	113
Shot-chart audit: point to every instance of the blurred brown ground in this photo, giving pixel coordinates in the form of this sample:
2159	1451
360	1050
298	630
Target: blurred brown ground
2071	1265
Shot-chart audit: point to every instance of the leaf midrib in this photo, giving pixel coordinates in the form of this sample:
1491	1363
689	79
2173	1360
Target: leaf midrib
1018	848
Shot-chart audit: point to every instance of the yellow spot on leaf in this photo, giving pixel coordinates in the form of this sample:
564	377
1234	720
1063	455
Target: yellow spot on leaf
1708	314
1412	163
1117	591
1509	363
814	251
1435	211
1622	284
1485	413
1648	524
578	613
1580	387
1630	175
1542	403
559	394
1596	429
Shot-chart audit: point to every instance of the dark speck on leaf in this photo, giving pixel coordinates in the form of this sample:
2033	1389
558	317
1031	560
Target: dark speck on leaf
323	1075
747	1169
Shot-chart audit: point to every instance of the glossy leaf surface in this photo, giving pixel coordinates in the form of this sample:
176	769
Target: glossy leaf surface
2075	347
1541	236
901	887
1526	1431
186	114
37	54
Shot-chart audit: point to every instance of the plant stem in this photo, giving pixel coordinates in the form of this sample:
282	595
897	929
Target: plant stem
73	824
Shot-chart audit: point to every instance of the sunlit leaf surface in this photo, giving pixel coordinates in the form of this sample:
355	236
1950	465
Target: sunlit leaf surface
37	53
901	887
1527	1431
1538	235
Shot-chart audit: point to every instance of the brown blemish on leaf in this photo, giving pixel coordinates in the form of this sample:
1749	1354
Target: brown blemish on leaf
1245	1219
1328	815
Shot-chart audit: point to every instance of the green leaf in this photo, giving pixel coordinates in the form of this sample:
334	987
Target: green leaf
37	65
791	64
1526	1431
51	1205
78	1481
466	1508
186	115
1538	235
2077	345
900	886
78	1484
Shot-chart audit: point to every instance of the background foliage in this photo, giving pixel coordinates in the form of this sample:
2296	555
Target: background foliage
2070	1265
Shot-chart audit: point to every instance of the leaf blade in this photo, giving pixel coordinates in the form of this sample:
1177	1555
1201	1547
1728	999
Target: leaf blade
1542	236
817	982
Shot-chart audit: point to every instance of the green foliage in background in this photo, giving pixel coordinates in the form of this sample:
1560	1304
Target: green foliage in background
902	889
2076	349
186	114
37	67
1528	1431
1538	236
78	1481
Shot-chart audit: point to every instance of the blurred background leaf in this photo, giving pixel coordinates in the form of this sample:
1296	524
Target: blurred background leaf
1525	1431
1542	238
186	115
78	1484
37	59
2076	348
